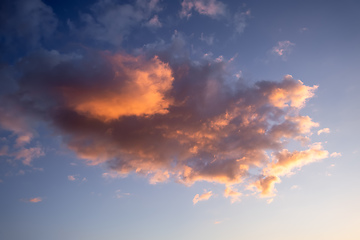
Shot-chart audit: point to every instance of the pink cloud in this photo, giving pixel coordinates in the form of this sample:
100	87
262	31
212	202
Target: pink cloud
324	130
71	178
211	8
283	49
28	154
154	22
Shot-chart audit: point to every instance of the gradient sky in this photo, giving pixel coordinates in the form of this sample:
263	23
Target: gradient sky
186	119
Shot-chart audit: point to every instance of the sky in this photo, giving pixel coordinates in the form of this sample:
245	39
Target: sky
185	119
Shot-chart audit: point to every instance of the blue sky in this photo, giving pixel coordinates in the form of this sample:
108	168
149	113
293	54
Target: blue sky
189	119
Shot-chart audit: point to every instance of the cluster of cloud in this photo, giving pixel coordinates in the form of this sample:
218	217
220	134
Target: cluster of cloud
157	112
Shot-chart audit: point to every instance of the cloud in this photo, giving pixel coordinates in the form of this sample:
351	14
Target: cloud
324	130
28	154
33	200
71	178
211	8
120	194
110	22
154	22
284	163
335	154
203	197
283	49
163	116
232	194
209	40
303	29
240	21
26	22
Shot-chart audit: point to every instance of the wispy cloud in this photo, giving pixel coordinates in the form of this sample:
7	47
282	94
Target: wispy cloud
211	8
283	49
324	130
232	194
109	21
28	154
203	197
71	178
335	154
33	200
154	22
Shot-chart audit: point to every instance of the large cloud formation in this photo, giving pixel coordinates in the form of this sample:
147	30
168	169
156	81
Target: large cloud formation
167	117
162	115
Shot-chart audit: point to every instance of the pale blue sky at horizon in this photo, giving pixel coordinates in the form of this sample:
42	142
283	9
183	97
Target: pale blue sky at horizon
187	119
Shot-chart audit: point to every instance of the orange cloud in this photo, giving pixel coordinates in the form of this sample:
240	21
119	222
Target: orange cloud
33	200
203	197
291	93
232	194
286	161
266	185
137	88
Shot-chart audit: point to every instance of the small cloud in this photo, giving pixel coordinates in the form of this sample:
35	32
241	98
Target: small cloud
32	200
159	176
154	22
219	59
1	181
233	58
217	222
269	200
240	21
111	175
232	194
203	197
332	165
119	194
73	164
209	40
294	187
324	130
301	30
71	178
335	154
28	154
23	139
21	172
282	49
84	179
210	8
